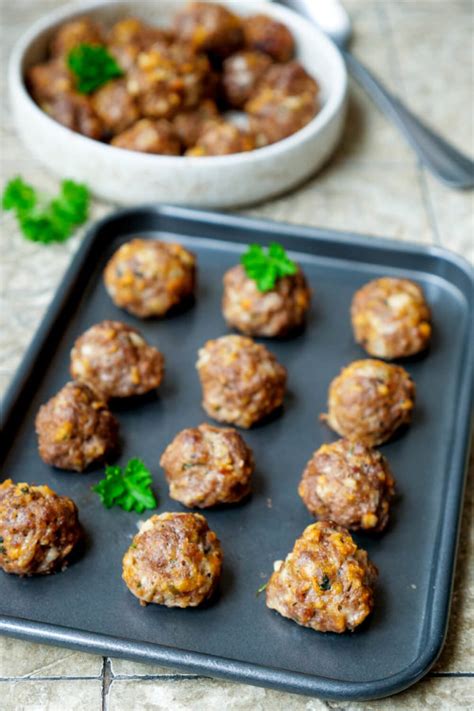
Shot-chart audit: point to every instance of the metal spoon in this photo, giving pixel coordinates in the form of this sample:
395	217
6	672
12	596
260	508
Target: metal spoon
441	158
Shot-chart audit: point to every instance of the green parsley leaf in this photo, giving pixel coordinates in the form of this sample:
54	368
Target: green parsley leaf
46	221
92	66
265	268
129	488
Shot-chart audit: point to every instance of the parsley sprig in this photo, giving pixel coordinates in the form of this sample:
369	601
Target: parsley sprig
43	220
265	268
92	66
129	488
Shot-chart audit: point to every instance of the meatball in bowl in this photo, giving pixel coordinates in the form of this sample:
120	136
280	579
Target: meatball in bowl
391	319
175	560
242	382
38	529
121	140
207	466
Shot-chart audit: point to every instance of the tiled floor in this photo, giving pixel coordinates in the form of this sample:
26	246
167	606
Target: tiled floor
422	49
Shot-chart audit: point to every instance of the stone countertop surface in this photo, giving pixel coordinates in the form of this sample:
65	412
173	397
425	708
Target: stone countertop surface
422	49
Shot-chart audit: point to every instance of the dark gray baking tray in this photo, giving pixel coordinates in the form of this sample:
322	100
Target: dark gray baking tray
237	637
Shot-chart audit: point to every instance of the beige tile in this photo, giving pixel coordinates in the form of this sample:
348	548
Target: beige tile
124	667
203	695
433	41
376	199
454	215
437	693
25	659
51	696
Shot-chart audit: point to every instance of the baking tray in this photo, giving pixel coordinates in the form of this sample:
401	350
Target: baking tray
89	608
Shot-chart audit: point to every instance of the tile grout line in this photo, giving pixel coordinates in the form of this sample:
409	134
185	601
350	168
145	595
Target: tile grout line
107	678
395	64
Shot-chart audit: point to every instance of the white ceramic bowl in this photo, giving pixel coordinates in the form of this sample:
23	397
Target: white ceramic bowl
223	181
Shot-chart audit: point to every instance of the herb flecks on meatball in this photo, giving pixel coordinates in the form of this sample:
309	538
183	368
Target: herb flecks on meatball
242	382
273	313
326	582
38	529
174	560
241	73
211	28
350	484
206	466
390	318
149	277
220	138
267	35
116	359
369	401
75	428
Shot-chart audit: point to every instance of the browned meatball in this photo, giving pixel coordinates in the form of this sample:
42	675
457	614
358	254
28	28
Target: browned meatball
350	484
241	73
116	359
133	31
75	428
52	87
210	28
149	277
168	79
190	124
326	582
221	138
38	529
391	318
369	401
80	31
242	382
270	36
206	466
285	100
114	106
147	136
271	313
175	560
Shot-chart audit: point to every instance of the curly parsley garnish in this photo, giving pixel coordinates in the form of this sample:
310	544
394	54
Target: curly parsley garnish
43	220
266	267
129	488
92	66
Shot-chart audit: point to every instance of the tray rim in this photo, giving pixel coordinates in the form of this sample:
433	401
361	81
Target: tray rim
436	623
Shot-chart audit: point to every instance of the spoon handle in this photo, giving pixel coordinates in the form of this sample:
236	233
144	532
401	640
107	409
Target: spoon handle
441	158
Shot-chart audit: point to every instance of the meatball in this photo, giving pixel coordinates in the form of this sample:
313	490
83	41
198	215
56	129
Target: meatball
326	582
210	28
149	277
168	79
114	106
80	31
285	101
116	359
75	428
241	74
38	529
147	136
190	124
52	87
271	313
369	401
350	484
242	382
206	466
390	318
175	560
267	35
131	31
221	138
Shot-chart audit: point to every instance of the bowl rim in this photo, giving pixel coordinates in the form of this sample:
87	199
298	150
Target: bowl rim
329	110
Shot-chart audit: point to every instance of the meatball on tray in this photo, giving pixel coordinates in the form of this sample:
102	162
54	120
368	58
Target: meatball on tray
234	634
